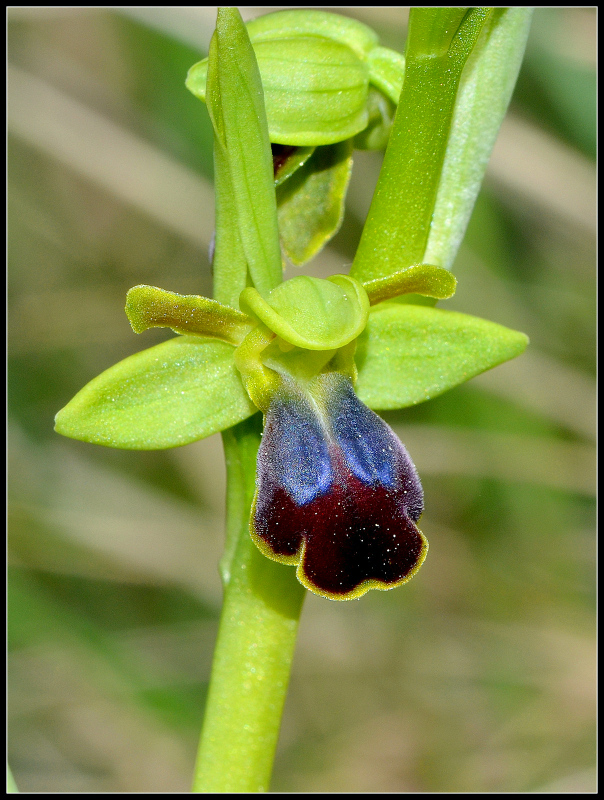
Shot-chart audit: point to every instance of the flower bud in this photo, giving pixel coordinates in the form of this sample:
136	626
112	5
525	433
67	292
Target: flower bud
317	69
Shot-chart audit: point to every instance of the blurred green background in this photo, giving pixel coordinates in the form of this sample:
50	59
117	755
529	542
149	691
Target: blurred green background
479	675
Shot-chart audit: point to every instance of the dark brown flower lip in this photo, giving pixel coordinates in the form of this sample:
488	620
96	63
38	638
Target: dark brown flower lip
337	493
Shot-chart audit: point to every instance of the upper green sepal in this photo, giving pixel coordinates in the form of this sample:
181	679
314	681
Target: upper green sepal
312	313
408	354
177	392
283	24
150	307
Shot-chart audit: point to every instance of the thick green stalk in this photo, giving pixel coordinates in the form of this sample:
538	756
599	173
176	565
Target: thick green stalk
255	645
397	227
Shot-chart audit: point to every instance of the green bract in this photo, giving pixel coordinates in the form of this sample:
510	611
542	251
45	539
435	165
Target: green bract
247	234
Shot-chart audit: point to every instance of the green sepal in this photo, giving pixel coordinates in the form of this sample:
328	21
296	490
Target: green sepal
485	89
177	392
387	71
283	24
408	354
310	204
312	313
424	279
150	307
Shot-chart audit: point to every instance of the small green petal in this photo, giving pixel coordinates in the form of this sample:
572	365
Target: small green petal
424	279
177	392
310	312
150	307
408	354
310	205
387	71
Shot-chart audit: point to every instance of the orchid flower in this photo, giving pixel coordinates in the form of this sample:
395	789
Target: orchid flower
337	492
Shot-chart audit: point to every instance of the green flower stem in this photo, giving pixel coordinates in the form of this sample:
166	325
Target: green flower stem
243	160
398	225
262	599
255	646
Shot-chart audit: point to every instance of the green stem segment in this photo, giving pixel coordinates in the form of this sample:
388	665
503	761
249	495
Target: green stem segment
262	599
398	225
247	232
255	646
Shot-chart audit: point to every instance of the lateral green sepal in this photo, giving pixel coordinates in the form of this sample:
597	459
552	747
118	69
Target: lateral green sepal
150	307
408	354
174	393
